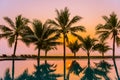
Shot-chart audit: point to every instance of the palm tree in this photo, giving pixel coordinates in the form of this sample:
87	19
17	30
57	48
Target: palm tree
103	66
74	68
89	74
25	76
102	48
64	26
13	32
87	44
46	72
74	47
48	48
41	35
7	75
110	28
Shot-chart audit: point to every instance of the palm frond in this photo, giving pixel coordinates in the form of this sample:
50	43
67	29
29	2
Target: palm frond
5	35
10	22
117	41
4	28
11	40
78	28
74	20
105	18
52	22
99	27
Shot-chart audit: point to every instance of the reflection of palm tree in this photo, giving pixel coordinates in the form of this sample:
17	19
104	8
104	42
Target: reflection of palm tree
7	75
111	27
65	25
87	44
74	47
89	74
75	68
46	72
40	35
103	68
25	76
13	32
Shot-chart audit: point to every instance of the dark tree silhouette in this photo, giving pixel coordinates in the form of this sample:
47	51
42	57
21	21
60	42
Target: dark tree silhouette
64	26
13	32
41	35
74	68
74	47
110	28
7	75
46	72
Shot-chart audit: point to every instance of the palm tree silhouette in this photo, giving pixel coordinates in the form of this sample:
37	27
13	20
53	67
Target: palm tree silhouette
25	76
103	66
64	26
110	28
102	48
7	75
87	44
48	48
13	32
74	68
89	74
74	47
41	35
46	72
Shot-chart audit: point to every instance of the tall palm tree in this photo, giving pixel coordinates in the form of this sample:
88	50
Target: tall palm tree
40	35
74	47
64	26
110	28
13	32
87	44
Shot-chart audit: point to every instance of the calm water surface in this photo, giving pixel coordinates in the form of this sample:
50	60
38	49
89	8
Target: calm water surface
20	66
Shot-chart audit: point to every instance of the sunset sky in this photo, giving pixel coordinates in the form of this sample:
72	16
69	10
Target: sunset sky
90	10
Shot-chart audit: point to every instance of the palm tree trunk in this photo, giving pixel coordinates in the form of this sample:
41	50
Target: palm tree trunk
45	56
64	59
13	62
38	61
102	55
74	54
115	66
68	75
88	58
13	67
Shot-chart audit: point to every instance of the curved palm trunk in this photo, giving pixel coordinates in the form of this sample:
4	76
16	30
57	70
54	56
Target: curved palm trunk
114	58
68	75
13	62
64	59
38	60
88	54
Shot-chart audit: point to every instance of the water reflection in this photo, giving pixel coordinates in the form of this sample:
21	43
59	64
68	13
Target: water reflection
53	70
